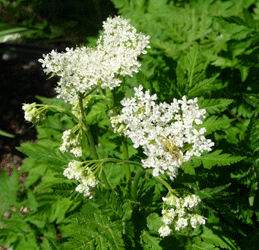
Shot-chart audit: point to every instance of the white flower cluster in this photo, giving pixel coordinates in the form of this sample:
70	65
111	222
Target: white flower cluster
180	212
32	113
71	143
82	69
85	176
167	132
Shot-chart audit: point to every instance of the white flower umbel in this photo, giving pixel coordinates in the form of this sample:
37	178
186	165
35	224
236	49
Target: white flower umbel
191	201
84	175
179	213
181	223
83	69
167	132
71	143
34	114
164	231
197	220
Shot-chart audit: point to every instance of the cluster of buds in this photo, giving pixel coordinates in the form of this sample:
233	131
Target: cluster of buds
34	113
179	212
84	175
72	142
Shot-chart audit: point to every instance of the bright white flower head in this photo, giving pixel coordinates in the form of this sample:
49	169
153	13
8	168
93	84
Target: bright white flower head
74	170
179	212
197	220
191	201
32	113
181	223
168	216
71	143
86	178
172	200
167	132
164	231
82	69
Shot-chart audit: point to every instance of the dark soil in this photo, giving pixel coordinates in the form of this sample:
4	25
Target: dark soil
20	81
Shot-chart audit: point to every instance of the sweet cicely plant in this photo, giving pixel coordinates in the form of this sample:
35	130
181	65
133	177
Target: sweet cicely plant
156	138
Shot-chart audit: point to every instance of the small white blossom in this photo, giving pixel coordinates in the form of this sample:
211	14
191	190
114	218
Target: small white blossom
164	231
74	170
32	113
179	211
71	143
197	220
191	201
172	200
181	223
86	178
168	216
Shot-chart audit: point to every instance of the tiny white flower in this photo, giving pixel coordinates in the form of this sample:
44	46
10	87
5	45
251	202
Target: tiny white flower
197	220
181	223
164	231
191	201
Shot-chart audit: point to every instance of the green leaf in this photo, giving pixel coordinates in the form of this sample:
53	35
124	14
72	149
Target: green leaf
181	78
217	159
211	192
3	133
197	244
43	154
154	222
217	238
194	67
96	231
8	188
54	244
214	123
55	102
150	242
214	106
98	112
200	87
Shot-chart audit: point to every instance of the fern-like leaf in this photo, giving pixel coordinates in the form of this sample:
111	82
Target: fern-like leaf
96	231
150	242
47	156
200	87
55	102
214	106
217	159
218	239
214	123
194	66
54	244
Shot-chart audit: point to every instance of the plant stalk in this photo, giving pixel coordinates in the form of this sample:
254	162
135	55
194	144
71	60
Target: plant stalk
91	141
126	157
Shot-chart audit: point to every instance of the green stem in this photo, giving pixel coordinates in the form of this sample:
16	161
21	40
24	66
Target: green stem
134	188
126	157
65	111
165	183
91	141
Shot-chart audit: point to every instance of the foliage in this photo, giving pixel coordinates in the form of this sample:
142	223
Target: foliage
48	22
205	49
